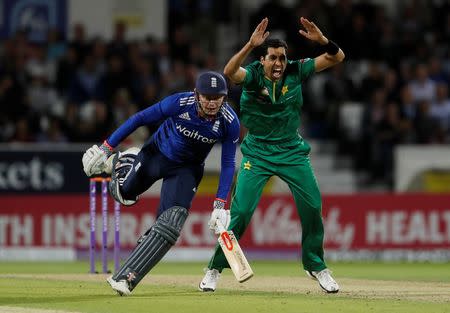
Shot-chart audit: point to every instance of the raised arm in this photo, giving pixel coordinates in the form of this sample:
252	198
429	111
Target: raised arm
233	69
333	54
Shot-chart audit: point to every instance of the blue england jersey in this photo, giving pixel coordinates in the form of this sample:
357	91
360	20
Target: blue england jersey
186	137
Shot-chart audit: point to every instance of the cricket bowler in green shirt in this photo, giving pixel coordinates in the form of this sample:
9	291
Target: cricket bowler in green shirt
270	108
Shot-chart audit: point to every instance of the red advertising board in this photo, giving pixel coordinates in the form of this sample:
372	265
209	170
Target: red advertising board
352	223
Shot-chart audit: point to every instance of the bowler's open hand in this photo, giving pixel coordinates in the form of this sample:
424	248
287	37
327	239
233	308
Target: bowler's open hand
260	34
312	32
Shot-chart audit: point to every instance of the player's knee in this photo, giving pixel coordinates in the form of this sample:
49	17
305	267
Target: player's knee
170	223
122	186
238	215
315	206
115	189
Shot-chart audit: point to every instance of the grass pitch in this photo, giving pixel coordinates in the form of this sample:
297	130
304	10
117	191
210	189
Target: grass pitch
276	287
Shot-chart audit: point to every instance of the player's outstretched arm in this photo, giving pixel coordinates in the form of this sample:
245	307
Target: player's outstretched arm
333	54
97	159
233	69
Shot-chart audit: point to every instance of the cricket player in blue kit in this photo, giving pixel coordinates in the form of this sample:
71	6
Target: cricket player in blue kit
192	123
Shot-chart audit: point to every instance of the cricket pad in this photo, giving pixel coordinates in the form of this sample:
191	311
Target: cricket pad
152	248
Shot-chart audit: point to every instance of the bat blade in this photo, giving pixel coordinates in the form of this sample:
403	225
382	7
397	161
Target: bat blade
234	254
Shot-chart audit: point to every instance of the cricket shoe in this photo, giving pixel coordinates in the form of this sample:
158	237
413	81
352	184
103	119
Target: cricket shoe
121	286
209	282
325	280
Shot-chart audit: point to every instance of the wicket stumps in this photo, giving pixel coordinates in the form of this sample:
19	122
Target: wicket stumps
93	217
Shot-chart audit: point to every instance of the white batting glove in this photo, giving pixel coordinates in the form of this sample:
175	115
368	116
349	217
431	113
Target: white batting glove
219	213
94	159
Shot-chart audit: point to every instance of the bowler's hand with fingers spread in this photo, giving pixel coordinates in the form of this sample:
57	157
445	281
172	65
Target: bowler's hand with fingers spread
260	34
312	32
219	213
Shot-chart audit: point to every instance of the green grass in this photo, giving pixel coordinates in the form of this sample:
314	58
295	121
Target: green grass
375	271
95	296
92	297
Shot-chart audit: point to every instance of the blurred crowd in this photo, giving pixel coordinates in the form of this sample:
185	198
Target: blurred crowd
397	71
79	90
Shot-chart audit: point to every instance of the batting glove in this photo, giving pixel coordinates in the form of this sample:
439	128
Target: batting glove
95	157
219	213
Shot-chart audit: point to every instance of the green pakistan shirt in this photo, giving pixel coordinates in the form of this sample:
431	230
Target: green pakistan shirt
271	110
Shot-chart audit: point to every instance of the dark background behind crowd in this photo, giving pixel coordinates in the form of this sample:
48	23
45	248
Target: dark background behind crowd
72	88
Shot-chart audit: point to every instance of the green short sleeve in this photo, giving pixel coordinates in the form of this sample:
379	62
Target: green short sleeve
306	67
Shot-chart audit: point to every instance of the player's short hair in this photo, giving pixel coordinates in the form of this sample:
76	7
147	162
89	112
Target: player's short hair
272	43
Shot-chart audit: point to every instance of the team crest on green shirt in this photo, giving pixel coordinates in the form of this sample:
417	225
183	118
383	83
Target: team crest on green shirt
284	89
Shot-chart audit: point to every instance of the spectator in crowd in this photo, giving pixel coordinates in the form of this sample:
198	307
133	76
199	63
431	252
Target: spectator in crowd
373	114
372	81
42	98
79	41
22	131
115	78
422	87
119	45
440	110
51	130
388	132
437	73
56	46
66	70
391	85
86	82
144	73
338	88
425	125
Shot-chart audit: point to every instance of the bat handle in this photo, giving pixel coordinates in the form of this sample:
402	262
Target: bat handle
219	227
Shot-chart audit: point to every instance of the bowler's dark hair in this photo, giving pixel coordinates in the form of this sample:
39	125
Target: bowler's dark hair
272	43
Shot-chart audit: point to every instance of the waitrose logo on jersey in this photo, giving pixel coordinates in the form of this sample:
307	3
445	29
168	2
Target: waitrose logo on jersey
193	134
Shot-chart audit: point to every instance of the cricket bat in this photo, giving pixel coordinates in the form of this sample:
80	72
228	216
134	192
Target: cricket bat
233	252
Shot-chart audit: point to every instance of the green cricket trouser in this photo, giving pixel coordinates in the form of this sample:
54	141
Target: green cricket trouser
290	162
